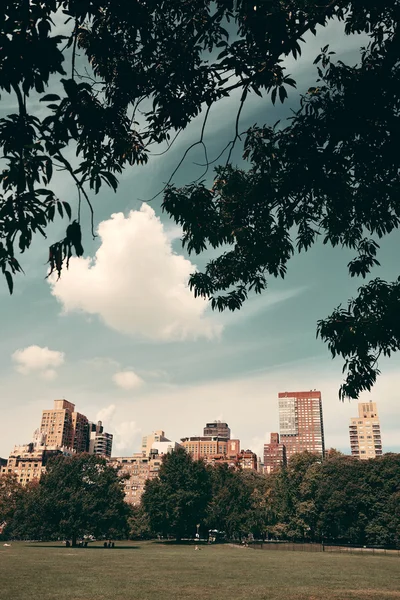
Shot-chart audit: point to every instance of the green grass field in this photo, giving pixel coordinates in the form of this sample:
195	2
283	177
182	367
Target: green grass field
150	571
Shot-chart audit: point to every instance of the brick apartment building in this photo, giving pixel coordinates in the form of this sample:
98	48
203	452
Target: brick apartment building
62	431
365	432
301	422
217	450
100	442
138	468
64	427
209	446
274	454
29	461
217	428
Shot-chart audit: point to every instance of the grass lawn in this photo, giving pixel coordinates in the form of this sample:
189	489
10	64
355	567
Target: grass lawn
150	571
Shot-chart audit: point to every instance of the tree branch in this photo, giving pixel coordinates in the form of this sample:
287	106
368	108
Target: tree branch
79	184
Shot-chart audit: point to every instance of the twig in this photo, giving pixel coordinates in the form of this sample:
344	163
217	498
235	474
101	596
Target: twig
200	141
79	205
217	158
169	146
75	34
207	164
79	184
237	134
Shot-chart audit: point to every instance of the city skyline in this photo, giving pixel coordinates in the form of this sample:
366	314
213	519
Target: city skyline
64	418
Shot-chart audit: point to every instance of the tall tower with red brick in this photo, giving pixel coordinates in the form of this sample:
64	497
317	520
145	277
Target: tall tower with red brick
301	422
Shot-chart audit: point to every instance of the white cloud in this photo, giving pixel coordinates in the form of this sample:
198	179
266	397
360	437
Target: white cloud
106	414
35	359
126	438
125	433
135	283
127	380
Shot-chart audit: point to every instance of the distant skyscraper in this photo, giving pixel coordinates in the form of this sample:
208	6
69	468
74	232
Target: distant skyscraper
301	423
217	428
57	424
100	442
365	432
150	439
80	432
64	427
274	454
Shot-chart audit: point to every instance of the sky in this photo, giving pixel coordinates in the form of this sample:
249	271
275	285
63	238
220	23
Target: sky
121	336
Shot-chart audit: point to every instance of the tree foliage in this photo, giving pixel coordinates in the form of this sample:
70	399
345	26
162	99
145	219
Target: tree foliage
77	496
340	500
239	502
176	500
139	524
128	75
9	492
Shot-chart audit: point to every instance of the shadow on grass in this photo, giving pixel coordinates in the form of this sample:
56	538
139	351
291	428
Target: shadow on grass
183	543
63	547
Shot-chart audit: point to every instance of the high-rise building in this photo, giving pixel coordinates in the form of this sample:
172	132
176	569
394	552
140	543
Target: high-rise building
274	454
301	422
150	439
365	432
100	442
217	428
57	424
80	432
63	426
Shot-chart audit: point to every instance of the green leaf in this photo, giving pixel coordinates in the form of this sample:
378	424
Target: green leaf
67	209
44	192
282	93
50	98
10	282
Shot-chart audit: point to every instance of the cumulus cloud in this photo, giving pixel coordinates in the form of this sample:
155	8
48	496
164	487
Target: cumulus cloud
127	380
125	433
106	414
135	283
41	361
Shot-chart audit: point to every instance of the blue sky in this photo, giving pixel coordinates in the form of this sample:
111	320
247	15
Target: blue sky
122	337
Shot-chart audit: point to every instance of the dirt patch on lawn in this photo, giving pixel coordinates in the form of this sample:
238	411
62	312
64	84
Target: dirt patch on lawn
371	593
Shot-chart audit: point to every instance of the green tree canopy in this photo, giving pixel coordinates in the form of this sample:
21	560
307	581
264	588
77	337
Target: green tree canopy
350	500
9	492
239	503
146	69
176	500
77	496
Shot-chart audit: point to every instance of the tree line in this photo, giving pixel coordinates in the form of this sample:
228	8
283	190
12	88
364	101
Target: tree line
340	500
